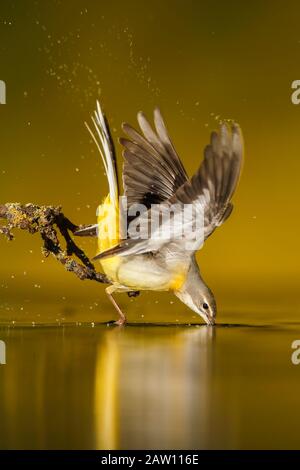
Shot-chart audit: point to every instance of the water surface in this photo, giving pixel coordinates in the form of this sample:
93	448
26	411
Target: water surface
102	387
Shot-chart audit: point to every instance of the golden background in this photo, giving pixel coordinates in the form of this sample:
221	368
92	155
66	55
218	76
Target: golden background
146	386
198	61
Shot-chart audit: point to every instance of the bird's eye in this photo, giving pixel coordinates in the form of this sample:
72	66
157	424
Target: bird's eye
205	306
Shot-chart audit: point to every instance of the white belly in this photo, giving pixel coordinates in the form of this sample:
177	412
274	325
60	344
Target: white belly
140	273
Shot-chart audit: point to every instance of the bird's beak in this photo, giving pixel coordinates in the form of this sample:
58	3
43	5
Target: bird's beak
210	321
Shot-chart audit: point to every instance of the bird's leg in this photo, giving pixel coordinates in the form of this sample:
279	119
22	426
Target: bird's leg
109	291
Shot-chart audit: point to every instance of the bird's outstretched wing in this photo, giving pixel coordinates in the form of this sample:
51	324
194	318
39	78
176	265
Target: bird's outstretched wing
152	170
215	181
209	192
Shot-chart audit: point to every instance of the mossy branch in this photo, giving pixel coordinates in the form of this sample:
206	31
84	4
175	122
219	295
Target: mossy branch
48	221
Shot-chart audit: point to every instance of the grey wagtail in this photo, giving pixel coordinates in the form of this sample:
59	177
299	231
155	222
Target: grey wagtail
154	178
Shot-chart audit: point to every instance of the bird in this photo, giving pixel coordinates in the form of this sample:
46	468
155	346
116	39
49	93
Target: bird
155	179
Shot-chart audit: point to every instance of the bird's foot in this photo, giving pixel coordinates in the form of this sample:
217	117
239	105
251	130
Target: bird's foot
121	321
133	293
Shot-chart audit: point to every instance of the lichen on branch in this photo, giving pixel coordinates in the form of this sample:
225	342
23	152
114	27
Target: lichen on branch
49	221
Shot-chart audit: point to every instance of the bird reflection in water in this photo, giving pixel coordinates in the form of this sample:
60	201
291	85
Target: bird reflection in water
106	388
152	387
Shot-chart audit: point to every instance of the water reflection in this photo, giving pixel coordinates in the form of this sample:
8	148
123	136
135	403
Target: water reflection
149	387
152	387
105	387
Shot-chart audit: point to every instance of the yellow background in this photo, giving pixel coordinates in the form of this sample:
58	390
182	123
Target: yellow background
197	61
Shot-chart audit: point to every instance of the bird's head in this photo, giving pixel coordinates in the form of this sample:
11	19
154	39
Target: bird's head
198	297
206	305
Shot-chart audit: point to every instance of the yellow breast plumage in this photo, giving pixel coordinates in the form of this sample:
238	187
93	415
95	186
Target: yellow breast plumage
108	236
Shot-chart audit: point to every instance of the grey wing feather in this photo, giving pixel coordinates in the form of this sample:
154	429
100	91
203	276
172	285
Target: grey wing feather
87	231
216	178
152	170
125	248
210	190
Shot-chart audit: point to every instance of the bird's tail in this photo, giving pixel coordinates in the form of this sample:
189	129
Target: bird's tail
103	140
108	212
